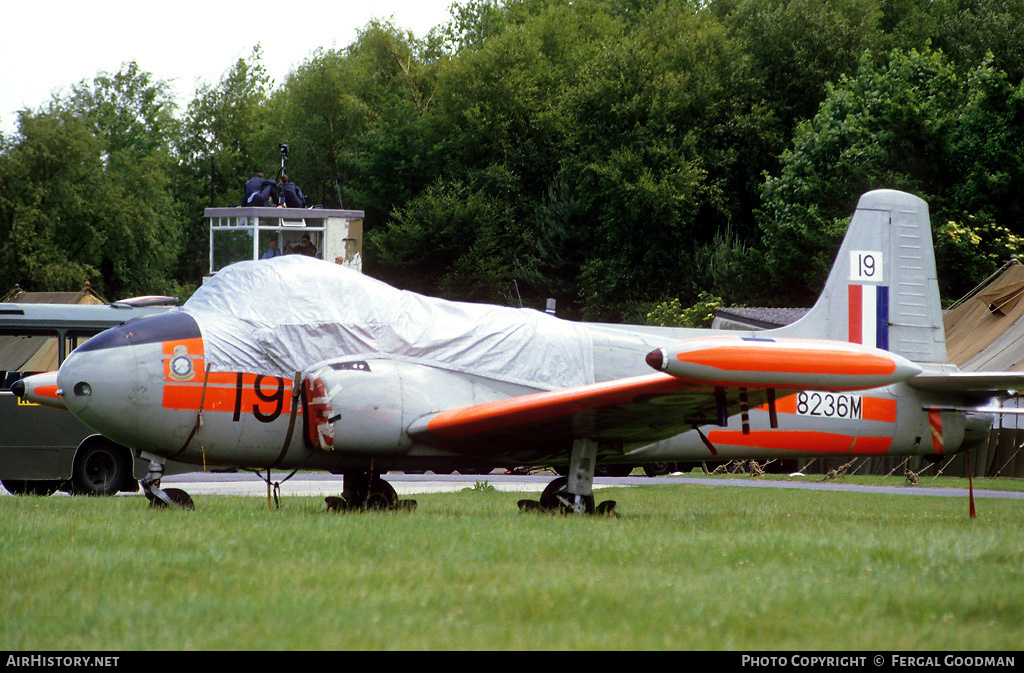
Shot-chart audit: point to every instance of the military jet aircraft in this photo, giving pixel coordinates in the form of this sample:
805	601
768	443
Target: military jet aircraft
295	363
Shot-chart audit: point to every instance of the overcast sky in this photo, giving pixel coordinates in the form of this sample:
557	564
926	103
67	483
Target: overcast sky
50	45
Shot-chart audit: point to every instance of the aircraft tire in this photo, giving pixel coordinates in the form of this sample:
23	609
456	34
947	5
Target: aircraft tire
40	487
378	495
549	499
382	495
177	496
99	468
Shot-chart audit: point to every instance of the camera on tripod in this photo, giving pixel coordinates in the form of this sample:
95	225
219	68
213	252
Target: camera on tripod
284	157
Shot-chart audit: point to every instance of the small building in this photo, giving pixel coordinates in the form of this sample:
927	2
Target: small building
245	233
743	318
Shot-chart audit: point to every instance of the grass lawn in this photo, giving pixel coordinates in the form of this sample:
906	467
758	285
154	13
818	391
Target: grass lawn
683	567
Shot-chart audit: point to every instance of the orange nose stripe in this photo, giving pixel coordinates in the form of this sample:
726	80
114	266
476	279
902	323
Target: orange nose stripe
47	391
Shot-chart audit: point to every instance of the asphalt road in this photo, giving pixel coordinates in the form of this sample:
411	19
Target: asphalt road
306	483
320	484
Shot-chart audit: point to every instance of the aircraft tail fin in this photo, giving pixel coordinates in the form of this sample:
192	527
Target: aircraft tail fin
883	289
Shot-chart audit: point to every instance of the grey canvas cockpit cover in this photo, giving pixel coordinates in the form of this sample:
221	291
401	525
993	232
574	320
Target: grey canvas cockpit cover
284	315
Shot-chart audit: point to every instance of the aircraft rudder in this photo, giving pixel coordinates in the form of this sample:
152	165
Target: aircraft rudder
882	290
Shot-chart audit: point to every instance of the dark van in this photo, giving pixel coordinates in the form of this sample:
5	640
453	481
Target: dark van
42	449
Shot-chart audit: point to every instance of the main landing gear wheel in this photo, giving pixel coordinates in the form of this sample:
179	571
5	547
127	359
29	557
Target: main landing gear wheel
365	492
572	494
613	470
556	499
657	469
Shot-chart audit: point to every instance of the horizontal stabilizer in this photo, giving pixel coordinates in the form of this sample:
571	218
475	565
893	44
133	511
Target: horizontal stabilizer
978	410
993	383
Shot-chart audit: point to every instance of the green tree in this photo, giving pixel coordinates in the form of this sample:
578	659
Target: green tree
50	185
86	189
619	137
671	134
224	140
393	157
463	232
133	113
908	122
357	114
496	130
798	46
672	314
318	113
970	32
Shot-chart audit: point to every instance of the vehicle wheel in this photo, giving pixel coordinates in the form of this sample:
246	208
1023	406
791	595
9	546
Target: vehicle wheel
31	486
657	469
613	470
100	468
550	498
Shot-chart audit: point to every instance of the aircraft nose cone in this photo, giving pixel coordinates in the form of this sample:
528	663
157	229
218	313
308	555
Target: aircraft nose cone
73	378
114	381
18	388
656	359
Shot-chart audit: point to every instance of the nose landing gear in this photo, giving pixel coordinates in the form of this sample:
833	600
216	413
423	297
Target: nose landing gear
162	498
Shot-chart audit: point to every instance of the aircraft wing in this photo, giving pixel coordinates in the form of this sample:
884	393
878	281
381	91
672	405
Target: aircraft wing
638	410
701	382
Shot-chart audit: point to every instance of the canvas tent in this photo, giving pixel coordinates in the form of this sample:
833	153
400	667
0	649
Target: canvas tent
985	332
